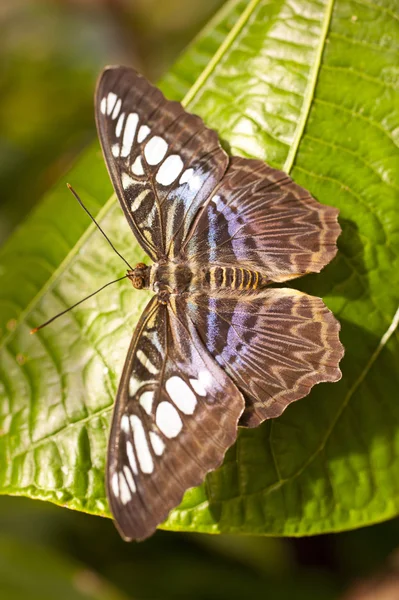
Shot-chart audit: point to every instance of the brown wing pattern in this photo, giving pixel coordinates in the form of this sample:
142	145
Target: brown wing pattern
175	416
275	345
163	161
213	357
259	218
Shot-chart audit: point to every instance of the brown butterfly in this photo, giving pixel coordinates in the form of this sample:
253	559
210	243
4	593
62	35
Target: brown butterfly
216	347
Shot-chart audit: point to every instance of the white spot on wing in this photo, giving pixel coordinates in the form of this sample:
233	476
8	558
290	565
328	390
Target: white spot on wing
126	496
142	134
141	445
155	150
129	133
219	202
169	170
206	378
145	361
111	102
198	387
119	125
139	199
137	167
168	420
194	181
146	400
115	484
181	394
157	444
125	426
103	106
134	385
126	181
116	109
129	478
115	150
203	383
186	175
131	457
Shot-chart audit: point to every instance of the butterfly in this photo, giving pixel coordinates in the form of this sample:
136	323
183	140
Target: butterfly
217	346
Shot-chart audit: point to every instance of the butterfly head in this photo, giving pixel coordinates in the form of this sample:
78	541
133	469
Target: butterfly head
140	276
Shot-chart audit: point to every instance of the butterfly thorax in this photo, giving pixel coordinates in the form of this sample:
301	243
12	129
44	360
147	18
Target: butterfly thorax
170	277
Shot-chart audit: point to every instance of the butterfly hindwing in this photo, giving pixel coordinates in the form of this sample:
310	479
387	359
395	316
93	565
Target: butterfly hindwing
259	218
176	414
275	344
163	161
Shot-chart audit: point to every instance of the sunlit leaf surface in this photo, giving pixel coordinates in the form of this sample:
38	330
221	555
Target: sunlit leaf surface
310	87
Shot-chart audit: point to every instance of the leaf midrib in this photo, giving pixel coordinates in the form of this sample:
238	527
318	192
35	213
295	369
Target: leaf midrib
221	51
311	87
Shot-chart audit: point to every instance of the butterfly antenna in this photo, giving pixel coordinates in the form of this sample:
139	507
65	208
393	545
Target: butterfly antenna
98	226
77	303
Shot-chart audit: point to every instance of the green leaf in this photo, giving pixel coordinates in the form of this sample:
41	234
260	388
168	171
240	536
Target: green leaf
311	87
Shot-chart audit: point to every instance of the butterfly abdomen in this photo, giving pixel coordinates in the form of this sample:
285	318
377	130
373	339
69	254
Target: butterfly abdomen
233	278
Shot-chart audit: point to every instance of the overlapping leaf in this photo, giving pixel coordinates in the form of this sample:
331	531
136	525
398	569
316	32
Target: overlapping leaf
310	87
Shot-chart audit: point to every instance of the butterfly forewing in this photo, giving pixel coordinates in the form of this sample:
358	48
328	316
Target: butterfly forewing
259	218
275	345
176	415
163	162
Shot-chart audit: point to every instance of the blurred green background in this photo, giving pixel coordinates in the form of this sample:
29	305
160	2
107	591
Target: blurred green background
51	53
